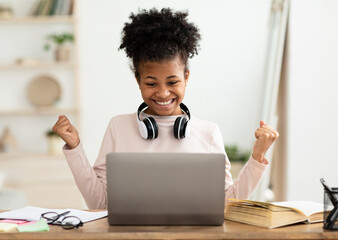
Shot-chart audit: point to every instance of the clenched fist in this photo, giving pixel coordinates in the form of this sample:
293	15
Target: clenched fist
265	136
67	132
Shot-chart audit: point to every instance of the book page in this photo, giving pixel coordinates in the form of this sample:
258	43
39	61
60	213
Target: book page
306	207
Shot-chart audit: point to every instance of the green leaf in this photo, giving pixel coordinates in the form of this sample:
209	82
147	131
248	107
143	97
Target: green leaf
235	155
58	39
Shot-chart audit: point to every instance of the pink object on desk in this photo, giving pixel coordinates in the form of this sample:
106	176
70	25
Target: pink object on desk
28	223
14	221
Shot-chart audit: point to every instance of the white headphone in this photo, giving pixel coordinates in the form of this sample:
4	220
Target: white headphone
149	130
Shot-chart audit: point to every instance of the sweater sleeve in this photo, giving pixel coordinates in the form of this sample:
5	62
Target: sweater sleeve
247	180
249	176
91	181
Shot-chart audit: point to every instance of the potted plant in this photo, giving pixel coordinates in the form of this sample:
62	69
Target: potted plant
55	143
7	141
6	12
237	158
62	51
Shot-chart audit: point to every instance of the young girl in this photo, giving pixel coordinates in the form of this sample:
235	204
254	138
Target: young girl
159	44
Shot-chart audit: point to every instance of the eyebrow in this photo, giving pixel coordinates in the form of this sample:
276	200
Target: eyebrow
151	77
172	76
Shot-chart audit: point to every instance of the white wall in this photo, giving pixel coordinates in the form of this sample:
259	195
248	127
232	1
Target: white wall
312	75
226	82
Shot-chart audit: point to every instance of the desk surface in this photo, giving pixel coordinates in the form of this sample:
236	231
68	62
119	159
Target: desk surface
230	230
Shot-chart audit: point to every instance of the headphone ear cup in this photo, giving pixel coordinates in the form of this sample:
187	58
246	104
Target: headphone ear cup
151	126
187	129
180	127
142	129
155	127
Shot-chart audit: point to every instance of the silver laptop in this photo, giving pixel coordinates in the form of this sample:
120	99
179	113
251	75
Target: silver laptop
165	188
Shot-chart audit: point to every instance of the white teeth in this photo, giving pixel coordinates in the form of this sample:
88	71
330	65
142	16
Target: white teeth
164	103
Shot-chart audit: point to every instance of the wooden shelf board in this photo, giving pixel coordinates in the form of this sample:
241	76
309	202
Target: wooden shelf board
42	111
40	19
32	155
50	65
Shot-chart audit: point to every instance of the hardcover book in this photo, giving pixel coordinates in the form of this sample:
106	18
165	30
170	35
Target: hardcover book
275	214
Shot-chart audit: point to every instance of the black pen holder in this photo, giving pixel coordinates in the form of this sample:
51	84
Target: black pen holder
330	213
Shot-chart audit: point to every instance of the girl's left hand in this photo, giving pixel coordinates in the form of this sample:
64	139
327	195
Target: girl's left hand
265	137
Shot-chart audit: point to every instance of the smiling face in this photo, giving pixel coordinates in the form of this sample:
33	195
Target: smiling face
162	86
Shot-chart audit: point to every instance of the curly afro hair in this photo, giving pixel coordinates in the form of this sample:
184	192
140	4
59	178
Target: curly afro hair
159	36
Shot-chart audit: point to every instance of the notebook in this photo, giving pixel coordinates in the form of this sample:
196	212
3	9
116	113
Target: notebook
165	188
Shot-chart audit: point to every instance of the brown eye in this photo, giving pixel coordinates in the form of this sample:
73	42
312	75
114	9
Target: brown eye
173	83
151	84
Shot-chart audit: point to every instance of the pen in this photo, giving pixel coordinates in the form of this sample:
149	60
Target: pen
332	217
329	190
60	215
64	213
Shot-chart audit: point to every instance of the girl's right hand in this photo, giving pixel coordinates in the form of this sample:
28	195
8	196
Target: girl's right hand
67	132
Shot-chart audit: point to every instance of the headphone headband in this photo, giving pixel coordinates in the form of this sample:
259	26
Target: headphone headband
140	109
185	109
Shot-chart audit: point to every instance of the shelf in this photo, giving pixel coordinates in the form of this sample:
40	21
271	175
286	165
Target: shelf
51	65
42	19
19	65
33	155
41	111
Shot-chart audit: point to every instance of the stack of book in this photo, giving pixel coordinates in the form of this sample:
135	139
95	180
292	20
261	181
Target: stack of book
53	8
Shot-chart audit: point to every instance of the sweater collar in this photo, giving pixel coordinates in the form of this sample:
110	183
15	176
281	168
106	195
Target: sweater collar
162	120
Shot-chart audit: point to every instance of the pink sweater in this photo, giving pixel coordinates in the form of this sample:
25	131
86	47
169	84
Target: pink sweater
122	135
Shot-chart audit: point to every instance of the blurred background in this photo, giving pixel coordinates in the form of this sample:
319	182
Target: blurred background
259	59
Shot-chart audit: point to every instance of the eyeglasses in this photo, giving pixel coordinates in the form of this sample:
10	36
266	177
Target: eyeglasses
68	222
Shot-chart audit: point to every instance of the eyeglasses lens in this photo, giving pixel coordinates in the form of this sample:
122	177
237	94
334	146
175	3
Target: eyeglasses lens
70	222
